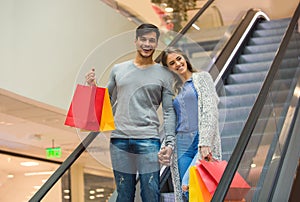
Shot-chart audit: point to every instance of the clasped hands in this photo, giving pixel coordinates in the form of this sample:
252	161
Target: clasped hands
164	155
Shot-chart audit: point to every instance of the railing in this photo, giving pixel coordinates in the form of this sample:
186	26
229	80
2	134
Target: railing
242	143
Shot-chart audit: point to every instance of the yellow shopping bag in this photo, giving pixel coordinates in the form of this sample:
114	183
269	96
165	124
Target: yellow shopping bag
107	120
197	189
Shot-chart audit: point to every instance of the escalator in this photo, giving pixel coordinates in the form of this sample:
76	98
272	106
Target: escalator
243	83
258	70
242	88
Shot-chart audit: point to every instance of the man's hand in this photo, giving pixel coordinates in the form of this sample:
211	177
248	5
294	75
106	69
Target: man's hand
164	155
90	77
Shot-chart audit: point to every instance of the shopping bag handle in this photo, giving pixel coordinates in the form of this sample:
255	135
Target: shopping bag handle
210	158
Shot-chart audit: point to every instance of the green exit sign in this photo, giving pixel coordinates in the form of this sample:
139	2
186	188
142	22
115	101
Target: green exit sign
53	152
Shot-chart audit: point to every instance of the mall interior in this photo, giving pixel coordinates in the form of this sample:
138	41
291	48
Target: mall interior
251	49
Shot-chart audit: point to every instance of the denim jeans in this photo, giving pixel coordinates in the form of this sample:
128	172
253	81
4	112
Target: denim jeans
132	156
187	149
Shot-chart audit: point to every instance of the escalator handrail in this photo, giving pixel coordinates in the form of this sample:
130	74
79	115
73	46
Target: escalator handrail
246	133
224	56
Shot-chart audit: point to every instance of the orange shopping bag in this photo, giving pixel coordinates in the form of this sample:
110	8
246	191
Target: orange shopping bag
211	173
197	189
90	109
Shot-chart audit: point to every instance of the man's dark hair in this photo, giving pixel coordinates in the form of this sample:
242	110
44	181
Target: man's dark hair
145	29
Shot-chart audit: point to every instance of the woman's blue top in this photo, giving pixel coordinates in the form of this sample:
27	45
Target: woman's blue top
186	107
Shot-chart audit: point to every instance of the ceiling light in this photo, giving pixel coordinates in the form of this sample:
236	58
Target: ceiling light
92	197
100	190
66	191
195	26
39	173
100	195
169	10
5	123
92	191
66	197
10	176
253	165
29	163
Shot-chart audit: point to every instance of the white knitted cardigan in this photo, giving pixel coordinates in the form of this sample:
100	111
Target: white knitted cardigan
208	125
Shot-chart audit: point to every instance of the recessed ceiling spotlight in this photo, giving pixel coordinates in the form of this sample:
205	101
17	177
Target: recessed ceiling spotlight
100	190
66	191
29	163
169	10
66	197
100	195
10	176
5	123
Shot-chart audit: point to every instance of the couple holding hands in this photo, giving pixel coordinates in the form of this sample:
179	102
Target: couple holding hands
190	112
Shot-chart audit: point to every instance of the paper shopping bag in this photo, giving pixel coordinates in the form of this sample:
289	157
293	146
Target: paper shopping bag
107	119
197	189
211	173
90	109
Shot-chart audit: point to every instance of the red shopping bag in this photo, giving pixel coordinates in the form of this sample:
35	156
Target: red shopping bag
211	173
90	109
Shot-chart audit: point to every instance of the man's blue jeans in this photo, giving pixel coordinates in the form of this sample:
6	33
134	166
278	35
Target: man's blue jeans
132	156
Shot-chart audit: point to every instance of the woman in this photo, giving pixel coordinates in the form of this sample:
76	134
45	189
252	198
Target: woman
197	130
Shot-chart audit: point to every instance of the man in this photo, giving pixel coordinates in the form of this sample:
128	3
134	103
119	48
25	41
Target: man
137	88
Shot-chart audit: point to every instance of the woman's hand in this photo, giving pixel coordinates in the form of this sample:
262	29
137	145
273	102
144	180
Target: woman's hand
205	152
90	78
